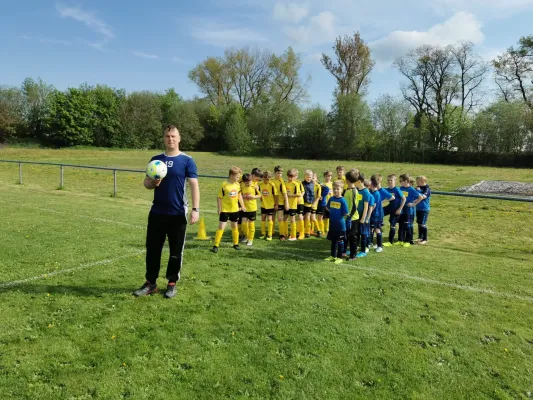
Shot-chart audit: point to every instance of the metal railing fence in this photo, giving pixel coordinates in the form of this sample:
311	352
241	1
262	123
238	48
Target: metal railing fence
115	170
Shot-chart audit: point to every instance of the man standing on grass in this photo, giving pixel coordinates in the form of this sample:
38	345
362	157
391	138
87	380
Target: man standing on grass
168	216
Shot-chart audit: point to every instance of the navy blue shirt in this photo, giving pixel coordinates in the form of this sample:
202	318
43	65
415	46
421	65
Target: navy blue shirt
364	196
377	212
398	196
325	192
424	204
338	209
411	195
170	197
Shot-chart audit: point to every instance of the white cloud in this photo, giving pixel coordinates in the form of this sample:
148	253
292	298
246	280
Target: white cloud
319	29
291	12
494	7
145	55
88	18
460	27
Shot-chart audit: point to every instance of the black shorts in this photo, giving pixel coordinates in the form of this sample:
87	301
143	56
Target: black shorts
292	212
326	213
232	216
267	211
300	208
320	209
309	210
249	215
376	223
337	236
422	217
352	229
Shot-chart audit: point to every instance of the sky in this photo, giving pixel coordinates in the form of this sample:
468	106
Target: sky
140	45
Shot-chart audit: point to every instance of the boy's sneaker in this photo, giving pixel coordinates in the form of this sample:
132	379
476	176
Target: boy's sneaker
423	242
406	244
269	238
387	244
330	258
374	246
292	239
250	243
145	290
347	253
338	261
214	249
243	239
379	249
171	290
263	236
236	247
319	234
361	254
398	243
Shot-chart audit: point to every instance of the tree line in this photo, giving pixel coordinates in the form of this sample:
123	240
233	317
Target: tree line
256	102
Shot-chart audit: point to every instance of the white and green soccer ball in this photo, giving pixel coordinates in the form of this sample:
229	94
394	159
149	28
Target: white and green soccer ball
156	169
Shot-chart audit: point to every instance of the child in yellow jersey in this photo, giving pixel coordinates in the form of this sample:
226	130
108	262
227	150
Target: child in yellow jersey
282	200
229	199
250	194
256	175
322	215
341	176
301	229
269	205
294	193
311	195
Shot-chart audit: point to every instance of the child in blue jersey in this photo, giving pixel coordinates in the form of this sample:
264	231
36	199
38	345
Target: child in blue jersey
371	206
325	194
338	210
363	207
422	209
376	219
412	198
394	208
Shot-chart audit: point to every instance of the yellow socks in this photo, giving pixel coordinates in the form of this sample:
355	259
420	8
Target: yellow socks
293	230
251	230
270	228
218	236
307	226
235	235
263	228
326	225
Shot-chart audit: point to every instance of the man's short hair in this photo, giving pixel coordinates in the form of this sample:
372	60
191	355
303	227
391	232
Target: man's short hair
169	128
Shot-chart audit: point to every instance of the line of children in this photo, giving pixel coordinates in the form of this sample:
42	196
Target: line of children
307	204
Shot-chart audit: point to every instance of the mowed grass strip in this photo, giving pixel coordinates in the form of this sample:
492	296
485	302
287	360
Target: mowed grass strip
269	322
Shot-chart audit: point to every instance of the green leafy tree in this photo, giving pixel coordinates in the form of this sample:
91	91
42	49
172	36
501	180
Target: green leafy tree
237	135
70	120
140	121
313	137
12	123
107	102
37	95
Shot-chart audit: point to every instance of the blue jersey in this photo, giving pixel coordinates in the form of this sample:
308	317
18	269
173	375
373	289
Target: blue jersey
170	198
364	196
325	192
398	196
411	195
424	204
338	209
385	195
377	212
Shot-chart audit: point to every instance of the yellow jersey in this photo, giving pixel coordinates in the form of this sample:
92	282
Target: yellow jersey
251	204
229	193
301	188
293	188
352	198
269	194
280	186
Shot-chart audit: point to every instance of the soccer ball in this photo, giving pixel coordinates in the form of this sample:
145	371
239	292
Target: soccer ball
156	169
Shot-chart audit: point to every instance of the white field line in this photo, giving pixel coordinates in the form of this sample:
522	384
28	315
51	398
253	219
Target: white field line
467	288
66	271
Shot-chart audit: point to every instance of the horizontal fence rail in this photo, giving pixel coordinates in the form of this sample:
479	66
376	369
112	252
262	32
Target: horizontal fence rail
115	170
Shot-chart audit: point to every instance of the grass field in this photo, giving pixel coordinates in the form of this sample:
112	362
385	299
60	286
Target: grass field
448	320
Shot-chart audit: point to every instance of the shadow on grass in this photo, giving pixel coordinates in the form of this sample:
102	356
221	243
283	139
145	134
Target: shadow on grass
68	289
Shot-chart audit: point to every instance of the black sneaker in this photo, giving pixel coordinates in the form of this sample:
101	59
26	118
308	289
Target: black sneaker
307	235
171	291
214	249
236	247
145	290
318	234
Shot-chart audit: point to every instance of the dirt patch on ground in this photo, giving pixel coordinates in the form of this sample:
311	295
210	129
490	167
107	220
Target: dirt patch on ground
507	188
